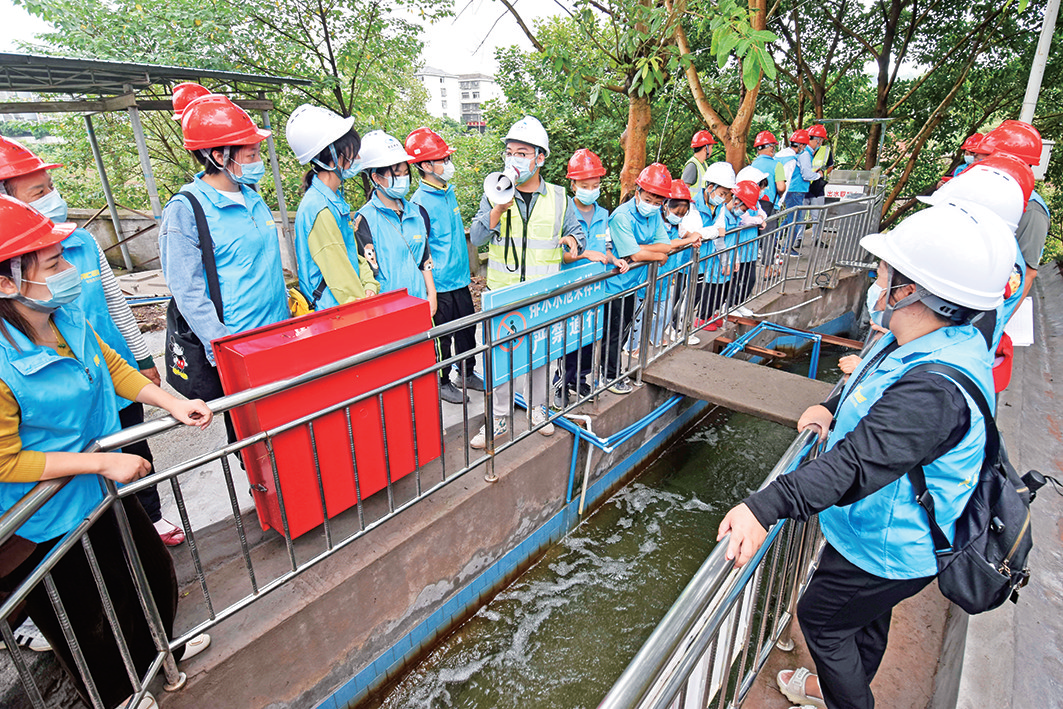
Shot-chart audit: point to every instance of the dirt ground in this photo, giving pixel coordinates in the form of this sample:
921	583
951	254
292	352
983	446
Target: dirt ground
151	318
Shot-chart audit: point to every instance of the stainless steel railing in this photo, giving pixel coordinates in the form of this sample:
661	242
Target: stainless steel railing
672	308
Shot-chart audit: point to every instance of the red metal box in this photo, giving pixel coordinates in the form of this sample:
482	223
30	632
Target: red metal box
293	347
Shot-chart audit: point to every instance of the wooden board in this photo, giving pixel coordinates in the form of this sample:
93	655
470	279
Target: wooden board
737	385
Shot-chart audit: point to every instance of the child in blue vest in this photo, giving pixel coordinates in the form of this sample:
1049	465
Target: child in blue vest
746	206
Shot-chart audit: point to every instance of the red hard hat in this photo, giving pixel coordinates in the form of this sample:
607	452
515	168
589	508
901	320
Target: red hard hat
184	94
1016	138
425	144
214	121
971	144
799	136
1015	167
702	138
584	165
24	230
679	191
765	137
817	131
747	193
655	178
16	160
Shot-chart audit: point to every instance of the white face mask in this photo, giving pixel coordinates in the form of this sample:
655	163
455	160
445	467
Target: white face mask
51	205
448	172
873	294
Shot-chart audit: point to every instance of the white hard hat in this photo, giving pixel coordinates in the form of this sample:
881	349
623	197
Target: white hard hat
750	173
992	188
311	129
382	150
721	174
962	254
529	130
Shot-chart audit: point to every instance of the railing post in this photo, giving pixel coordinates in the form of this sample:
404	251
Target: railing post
649	311
489	401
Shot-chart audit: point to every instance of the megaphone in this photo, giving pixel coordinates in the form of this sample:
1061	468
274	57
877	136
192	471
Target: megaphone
499	186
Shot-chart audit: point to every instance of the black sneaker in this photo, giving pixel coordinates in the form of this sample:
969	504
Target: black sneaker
473	382
451	394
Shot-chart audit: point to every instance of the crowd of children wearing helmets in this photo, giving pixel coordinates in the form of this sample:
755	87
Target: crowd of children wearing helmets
950	278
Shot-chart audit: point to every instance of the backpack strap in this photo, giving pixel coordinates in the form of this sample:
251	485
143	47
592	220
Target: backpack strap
942	545
206	250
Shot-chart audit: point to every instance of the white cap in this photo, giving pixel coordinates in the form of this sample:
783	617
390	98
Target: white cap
721	174
750	173
992	188
963	254
529	130
382	150
311	129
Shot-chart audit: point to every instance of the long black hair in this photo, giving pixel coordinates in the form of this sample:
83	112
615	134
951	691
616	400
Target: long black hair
346	146
9	314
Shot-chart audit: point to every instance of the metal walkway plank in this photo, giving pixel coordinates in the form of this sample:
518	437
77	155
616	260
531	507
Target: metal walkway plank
737	385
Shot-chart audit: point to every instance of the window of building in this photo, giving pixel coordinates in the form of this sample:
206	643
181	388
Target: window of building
476	94
465	94
444	104
441	79
443	92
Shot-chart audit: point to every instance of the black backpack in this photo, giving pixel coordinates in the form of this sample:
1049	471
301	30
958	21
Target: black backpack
987	562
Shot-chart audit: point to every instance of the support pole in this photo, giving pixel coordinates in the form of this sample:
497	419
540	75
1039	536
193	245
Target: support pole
1037	71
145	162
286	225
126	259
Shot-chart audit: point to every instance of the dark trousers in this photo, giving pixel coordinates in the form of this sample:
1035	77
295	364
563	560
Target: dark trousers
452	305
742	283
578	364
619	315
84	608
709	297
133	415
845	617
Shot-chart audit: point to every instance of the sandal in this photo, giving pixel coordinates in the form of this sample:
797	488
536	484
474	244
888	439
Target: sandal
794	689
170	533
195	646
147	702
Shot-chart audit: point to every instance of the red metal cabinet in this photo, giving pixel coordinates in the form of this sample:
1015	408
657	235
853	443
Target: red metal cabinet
293	347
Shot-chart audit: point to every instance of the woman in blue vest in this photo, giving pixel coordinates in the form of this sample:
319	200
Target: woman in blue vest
713	275
59	386
332	269
750	219
944	265
26	177
392	232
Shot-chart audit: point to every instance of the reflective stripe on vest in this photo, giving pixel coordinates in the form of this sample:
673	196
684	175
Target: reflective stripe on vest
520	252
700	166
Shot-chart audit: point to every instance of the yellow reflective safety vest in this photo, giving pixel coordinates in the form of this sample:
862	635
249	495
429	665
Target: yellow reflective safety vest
700	167
821	157
528	251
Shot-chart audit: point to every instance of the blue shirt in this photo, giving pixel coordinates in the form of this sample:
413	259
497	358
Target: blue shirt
450	254
398	243
630	231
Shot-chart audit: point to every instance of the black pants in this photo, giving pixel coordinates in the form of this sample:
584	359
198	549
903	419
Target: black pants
709	297
845	617
619	315
84	608
452	305
578	364
742	283
133	415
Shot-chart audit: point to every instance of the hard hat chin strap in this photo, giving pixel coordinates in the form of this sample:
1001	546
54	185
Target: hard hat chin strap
937	305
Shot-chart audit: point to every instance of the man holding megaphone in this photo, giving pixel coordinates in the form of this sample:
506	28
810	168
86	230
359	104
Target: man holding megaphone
530	230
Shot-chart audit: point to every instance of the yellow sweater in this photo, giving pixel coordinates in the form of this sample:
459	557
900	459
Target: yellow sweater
18	465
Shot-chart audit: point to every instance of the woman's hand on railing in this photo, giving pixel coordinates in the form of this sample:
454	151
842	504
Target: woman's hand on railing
191	412
747	535
817	418
122	467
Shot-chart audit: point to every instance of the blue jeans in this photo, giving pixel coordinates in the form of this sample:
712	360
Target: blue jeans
793	199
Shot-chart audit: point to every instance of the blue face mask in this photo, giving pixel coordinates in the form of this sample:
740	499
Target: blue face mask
65	287
51	205
352	170
673	218
968	159
398	187
714	200
646	209
873	294
588	197
523	166
250	173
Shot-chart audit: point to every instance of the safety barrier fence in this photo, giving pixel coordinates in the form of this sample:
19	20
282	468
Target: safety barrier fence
646	325
717	636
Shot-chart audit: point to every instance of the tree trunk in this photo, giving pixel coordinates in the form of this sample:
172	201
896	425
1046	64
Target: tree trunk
638	130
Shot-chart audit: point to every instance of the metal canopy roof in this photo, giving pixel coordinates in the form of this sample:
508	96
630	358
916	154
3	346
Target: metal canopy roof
41	74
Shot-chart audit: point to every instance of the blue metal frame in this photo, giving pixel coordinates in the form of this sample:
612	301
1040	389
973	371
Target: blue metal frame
740	344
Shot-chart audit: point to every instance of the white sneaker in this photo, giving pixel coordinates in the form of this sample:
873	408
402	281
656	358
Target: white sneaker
479	441
693	340
148	702
539	415
196	645
743	311
29	636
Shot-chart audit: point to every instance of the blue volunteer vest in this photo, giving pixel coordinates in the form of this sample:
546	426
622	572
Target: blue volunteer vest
708	214
597	230
767	165
64	404
887	533
450	255
749	239
645	230
399	244
798	183
317	199
248	257
81	251
714	265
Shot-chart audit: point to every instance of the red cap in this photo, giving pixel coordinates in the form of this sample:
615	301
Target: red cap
817	131
765	137
17	160
679	191
184	94
425	144
655	178
213	121
747	193
1015	167
799	136
584	165
971	144
24	230
1016	138
702	138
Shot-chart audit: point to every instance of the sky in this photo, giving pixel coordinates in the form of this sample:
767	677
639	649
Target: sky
461	44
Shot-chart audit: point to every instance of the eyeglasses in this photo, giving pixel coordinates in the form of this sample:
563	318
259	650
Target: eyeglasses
523	154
